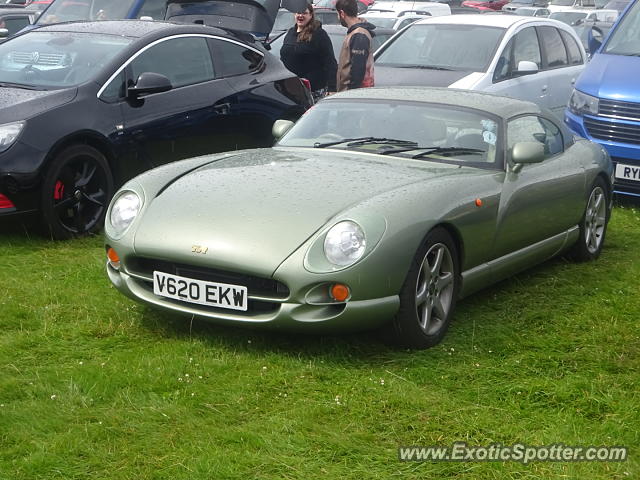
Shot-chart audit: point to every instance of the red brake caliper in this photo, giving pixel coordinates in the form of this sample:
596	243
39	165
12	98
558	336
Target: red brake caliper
58	191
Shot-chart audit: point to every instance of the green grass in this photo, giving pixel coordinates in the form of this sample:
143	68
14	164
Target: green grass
93	385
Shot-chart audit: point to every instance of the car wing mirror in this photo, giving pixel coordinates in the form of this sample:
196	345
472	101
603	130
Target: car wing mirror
280	127
4	33
148	83
524	153
594	39
526	67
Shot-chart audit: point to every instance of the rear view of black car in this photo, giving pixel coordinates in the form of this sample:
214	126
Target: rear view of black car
85	106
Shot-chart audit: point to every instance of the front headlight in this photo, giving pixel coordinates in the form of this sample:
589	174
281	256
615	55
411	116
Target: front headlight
581	103
124	210
345	243
8	134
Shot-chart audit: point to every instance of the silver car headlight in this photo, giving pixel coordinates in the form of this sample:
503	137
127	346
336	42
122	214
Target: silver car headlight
344	243
581	103
124	210
8	134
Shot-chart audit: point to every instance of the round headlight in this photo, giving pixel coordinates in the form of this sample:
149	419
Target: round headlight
124	210
345	243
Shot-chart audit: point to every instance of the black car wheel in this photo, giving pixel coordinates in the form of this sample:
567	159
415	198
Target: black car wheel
428	296
593	226
76	192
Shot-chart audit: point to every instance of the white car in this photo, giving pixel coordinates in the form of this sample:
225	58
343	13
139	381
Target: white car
393	20
577	16
532	11
436	9
530	58
561	5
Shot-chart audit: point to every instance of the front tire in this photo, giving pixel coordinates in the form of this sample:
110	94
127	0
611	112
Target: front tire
593	225
428	296
77	187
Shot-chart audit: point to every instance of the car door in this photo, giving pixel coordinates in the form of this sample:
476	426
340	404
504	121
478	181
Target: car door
523	46
539	200
560	69
187	120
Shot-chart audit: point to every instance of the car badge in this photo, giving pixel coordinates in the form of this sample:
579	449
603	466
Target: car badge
35	56
199	249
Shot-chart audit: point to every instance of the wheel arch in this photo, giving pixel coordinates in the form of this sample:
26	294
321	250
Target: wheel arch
456	237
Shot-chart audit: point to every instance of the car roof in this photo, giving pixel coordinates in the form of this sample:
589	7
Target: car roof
502	106
501	21
337	28
129	28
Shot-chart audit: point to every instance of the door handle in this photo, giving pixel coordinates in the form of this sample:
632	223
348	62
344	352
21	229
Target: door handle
222	108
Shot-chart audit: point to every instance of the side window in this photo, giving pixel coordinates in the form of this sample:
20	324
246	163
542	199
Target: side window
556	54
503	66
406	22
184	61
115	90
527	47
233	59
573	50
535	129
15	24
154	9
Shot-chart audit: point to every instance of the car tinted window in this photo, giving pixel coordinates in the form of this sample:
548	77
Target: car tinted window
625	39
115	90
153	8
526	47
503	66
573	50
184	61
448	46
532	128
555	52
234	59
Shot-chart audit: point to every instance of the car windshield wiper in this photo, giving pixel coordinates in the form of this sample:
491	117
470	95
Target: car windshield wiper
445	150
352	142
427	67
19	85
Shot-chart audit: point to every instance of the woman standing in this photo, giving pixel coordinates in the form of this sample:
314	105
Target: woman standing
307	52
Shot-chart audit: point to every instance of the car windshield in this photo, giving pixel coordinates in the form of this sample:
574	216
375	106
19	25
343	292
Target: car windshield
71	10
381	22
625	39
50	60
443	46
569	18
404	129
562	3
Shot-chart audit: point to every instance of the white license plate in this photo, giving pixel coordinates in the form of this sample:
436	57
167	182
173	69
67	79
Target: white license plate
628	172
222	295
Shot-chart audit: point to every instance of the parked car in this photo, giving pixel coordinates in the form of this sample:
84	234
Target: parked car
513	5
87	105
487	5
336	34
393	20
584	29
561	5
578	16
532	11
529	58
75	10
605	105
285	19
434	8
362	4
619	5
380	206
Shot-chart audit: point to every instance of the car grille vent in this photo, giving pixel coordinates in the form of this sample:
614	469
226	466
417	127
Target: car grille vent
618	109
613	131
37	58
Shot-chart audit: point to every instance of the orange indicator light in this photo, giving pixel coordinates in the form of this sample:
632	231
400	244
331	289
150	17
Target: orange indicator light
478	202
339	292
113	257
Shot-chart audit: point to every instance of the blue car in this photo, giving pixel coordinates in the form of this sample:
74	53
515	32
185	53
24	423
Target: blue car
605	104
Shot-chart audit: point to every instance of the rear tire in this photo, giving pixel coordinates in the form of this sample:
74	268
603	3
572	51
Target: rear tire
76	191
428	296
593	225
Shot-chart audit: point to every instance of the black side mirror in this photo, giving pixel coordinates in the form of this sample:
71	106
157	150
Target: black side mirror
594	39
148	83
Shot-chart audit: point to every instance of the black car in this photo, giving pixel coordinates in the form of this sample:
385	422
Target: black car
84	106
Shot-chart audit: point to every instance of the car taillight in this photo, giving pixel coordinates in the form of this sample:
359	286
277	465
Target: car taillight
306	83
5	202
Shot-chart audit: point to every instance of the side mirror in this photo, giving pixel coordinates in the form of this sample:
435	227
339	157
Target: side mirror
594	39
4	33
280	127
148	83
525	67
524	153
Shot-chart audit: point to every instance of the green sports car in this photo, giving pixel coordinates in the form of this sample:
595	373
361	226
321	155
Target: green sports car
379	207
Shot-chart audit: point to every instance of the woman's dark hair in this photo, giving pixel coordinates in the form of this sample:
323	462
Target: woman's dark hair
306	33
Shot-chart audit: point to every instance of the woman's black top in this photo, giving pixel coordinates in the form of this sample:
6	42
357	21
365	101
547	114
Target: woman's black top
313	60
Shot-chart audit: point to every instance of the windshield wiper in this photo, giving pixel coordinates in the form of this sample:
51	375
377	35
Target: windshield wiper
445	150
352	142
427	67
19	85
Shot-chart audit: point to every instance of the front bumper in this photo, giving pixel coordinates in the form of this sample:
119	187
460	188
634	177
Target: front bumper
624	153
287	314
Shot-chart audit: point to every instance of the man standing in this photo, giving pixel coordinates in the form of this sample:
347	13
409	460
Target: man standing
355	65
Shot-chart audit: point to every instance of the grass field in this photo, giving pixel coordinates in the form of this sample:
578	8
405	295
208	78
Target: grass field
94	386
